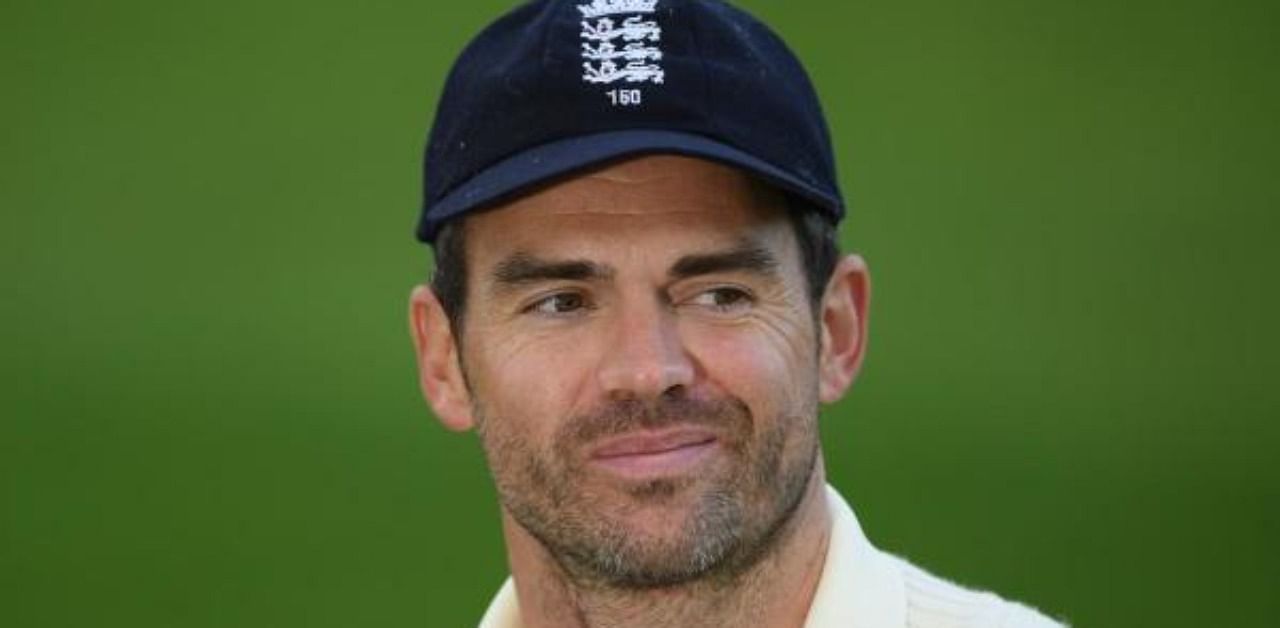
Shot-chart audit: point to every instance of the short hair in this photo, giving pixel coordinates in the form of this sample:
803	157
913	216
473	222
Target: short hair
815	233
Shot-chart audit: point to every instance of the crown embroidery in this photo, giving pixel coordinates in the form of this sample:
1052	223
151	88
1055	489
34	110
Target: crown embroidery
620	44
602	8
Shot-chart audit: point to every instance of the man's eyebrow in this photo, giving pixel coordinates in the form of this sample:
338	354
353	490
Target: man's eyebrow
523	268
748	255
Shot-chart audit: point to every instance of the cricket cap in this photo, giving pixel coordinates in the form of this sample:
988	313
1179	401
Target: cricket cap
558	86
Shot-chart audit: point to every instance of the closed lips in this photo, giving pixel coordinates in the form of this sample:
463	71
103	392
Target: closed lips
653	443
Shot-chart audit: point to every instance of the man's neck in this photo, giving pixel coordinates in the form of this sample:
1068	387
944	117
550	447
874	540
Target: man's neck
776	591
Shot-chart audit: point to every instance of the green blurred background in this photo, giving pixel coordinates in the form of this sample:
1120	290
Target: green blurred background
209	414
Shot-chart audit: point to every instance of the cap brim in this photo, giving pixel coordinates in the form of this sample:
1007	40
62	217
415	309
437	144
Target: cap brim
544	163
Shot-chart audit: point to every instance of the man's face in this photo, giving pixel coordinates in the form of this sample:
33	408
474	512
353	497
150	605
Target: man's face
641	357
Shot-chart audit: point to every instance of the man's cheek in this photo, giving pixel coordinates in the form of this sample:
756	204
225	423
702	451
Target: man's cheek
531	404
742	363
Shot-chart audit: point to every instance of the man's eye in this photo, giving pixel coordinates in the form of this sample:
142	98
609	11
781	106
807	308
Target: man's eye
559	303
723	299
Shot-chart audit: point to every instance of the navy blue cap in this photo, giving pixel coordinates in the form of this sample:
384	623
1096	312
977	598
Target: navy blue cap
557	86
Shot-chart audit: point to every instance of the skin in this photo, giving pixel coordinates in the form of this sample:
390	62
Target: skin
644	367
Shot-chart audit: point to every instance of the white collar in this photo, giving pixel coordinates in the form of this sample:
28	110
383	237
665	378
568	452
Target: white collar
861	587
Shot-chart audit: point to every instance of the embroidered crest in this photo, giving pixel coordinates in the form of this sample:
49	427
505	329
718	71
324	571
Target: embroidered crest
620	44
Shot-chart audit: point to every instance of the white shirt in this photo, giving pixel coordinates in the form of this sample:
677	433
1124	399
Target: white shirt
863	587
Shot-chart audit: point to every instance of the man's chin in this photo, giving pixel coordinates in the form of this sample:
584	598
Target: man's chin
671	502
657	513
653	533
655	549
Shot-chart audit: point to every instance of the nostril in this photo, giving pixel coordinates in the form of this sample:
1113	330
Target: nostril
673	392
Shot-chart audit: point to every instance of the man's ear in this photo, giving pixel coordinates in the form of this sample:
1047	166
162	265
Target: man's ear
843	327
439	367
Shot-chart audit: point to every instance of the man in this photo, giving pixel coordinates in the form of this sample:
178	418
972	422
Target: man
639	306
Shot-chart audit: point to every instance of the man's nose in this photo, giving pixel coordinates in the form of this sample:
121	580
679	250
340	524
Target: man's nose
647	356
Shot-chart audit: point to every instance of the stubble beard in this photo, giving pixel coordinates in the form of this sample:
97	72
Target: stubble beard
731	523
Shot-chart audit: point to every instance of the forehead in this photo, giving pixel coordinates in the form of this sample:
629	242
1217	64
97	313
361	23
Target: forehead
648	205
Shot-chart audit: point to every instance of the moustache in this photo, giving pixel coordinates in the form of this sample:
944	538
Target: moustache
723	415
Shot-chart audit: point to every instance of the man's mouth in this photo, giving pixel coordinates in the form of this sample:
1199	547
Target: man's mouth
647	454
